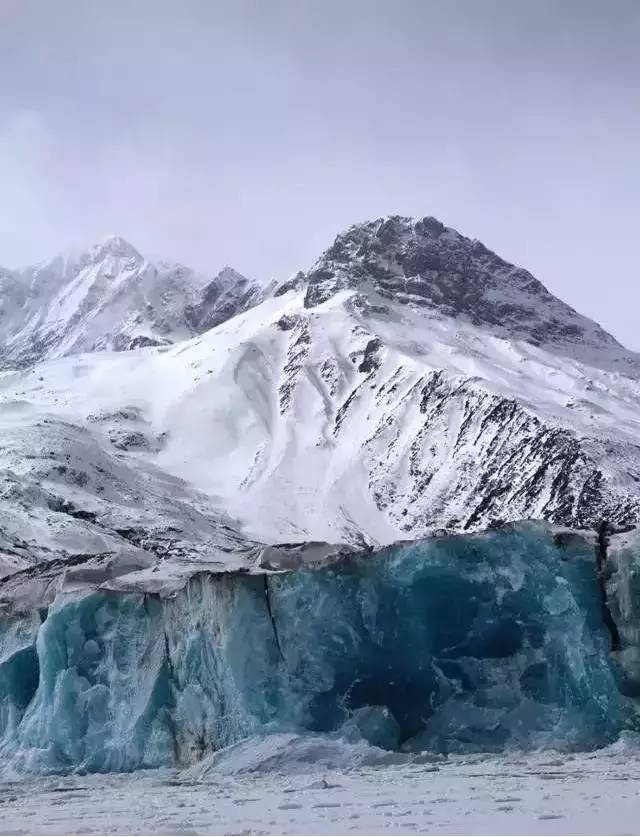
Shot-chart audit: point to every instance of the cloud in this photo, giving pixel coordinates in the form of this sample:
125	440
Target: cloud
26	159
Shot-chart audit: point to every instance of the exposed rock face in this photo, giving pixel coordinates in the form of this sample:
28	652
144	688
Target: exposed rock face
228	294
422	262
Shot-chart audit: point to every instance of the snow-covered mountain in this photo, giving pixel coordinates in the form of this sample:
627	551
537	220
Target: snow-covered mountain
411	381
150	614
110	297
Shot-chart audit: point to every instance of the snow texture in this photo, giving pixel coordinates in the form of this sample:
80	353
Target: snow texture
300	787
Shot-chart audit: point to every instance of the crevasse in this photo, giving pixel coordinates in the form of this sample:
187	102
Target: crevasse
452	644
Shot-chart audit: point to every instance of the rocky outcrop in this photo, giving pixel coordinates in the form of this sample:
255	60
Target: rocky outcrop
228	294
423	263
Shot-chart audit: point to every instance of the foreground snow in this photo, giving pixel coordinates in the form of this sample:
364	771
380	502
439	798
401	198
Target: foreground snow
546	793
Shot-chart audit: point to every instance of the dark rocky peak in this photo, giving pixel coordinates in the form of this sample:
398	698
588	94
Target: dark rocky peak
227	280
229	293
422	263
295	283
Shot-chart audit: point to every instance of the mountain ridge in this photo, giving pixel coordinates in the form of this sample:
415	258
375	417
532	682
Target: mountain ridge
106	297
342	408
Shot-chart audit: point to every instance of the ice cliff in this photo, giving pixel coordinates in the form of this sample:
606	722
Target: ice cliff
450	644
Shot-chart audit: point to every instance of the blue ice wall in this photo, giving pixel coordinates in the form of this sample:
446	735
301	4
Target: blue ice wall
467	643
103	694
19	671
455	644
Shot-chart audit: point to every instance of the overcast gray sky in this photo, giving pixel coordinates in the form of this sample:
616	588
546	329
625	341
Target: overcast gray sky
250	133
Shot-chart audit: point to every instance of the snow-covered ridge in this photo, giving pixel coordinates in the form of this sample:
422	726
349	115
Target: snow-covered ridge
342	424
110	297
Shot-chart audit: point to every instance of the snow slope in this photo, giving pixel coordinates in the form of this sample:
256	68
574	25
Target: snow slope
368	417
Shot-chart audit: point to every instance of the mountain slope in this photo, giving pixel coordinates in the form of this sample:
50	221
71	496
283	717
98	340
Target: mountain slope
65	491
349	408
109	298
338	425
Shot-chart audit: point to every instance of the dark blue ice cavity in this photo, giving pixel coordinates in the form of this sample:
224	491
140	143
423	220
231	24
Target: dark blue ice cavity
454	644
470	643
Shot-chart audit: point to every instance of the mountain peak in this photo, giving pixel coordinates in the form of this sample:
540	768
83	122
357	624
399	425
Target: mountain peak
116	246
423	263
227	294
229	276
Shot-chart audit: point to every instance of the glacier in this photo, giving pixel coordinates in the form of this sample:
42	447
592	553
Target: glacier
453	644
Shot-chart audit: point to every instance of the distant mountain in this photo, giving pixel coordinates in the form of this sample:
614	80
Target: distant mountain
109	297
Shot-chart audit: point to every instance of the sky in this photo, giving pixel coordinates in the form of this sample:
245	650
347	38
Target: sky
251	133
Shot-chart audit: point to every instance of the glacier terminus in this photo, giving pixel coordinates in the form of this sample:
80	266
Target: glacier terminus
385	510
